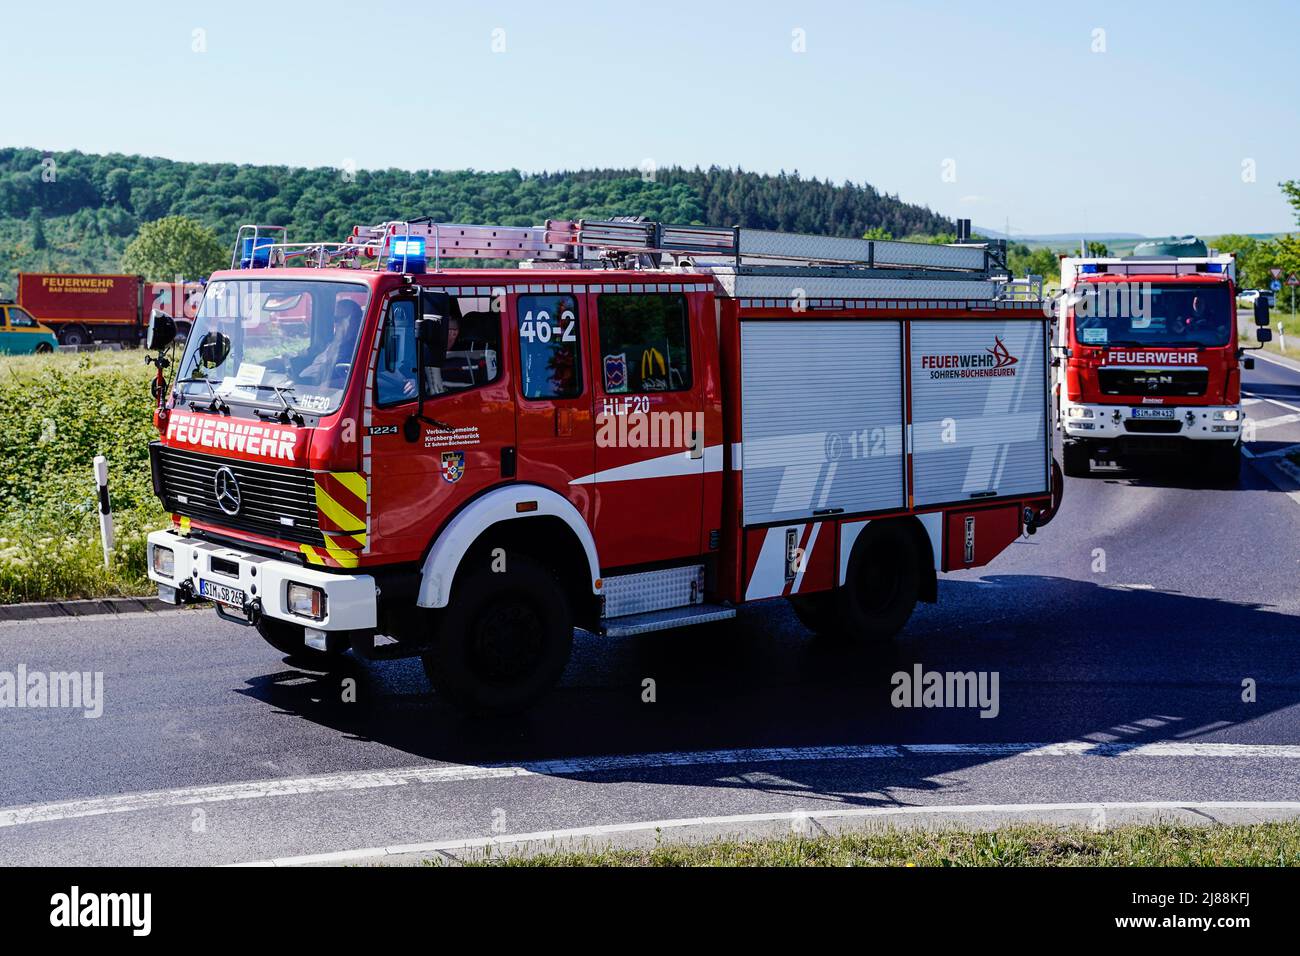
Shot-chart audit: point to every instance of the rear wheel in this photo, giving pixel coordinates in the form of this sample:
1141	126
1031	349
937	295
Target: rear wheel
504	639
881	587
1075	459
74	335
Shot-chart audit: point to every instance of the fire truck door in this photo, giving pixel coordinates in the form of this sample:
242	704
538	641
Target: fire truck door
649	406
553	421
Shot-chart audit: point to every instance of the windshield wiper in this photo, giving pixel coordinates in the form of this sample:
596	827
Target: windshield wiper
287	413
218	404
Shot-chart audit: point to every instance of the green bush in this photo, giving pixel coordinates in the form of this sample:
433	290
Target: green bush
56	414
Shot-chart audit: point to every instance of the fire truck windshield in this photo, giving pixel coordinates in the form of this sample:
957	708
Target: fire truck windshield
1139	314
255	342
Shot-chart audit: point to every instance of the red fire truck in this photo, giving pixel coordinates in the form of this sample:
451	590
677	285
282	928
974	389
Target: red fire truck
106	308
641	427
1151	364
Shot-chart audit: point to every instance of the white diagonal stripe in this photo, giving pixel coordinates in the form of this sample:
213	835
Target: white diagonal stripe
456	773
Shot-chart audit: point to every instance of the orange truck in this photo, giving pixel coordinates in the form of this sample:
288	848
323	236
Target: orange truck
82	309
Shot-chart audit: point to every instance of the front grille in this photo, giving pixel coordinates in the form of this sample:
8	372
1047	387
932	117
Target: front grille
271	496
1153	426
1153	381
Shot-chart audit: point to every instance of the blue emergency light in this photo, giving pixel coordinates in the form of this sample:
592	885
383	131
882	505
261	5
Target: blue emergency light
407	255
1090	268
255	252
1214	267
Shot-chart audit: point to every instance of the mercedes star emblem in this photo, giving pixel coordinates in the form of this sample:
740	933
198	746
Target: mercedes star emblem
227	489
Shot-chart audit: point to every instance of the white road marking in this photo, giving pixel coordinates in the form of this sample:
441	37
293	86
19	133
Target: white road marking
1275	453
1274	401
1275	360
1288	419
459	773
1094	814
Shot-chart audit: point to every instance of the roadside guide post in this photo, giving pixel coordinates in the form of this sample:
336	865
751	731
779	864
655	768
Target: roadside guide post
105	510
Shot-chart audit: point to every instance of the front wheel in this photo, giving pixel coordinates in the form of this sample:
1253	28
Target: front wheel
504	639
1225	463
44	348
1075	459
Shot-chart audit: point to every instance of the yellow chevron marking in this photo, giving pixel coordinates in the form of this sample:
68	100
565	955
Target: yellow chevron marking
344	542
336	512
346	559
354	481
310	552
185	525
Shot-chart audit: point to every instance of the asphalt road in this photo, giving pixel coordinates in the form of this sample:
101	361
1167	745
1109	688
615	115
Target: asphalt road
1127	627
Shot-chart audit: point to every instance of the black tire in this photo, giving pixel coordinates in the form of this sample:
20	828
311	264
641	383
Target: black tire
74	335
816	611
880	591
504	639
44	348
1075	459
1224	464
287	638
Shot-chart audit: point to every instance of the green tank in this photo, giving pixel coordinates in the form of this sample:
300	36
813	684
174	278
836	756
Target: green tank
1188	246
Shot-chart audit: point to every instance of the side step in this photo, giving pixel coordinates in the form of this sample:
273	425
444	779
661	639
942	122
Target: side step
664	620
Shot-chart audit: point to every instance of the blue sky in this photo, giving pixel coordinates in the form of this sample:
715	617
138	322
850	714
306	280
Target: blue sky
1151	134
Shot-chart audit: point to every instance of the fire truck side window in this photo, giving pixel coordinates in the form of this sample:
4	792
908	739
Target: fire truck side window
645	343
473	347
550	358
395	372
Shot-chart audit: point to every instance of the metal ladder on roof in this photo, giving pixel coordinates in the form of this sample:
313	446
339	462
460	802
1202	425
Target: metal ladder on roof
624	242
753	264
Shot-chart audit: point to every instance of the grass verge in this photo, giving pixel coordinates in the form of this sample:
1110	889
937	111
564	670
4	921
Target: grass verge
57	413
1263	844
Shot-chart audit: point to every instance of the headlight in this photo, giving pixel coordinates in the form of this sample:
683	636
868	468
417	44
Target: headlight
1228	415
1078	412
164	562
306	601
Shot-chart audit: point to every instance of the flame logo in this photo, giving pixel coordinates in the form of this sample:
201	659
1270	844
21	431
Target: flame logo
999	352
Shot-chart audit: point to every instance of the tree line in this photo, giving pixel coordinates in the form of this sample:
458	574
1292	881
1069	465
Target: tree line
78	211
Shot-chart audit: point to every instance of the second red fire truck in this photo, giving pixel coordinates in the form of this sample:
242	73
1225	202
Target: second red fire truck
85	309
1151	364
642	427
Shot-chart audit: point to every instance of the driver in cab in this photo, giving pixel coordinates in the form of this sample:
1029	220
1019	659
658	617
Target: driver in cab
1200	322
330	365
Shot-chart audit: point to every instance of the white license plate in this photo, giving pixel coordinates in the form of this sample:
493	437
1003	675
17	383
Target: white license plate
222	594
1154	412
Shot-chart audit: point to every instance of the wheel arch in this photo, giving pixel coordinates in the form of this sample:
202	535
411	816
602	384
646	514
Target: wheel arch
551	531
926	532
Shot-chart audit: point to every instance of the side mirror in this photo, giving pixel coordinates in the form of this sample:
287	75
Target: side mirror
214	349
1261	311
161	331
1263	335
